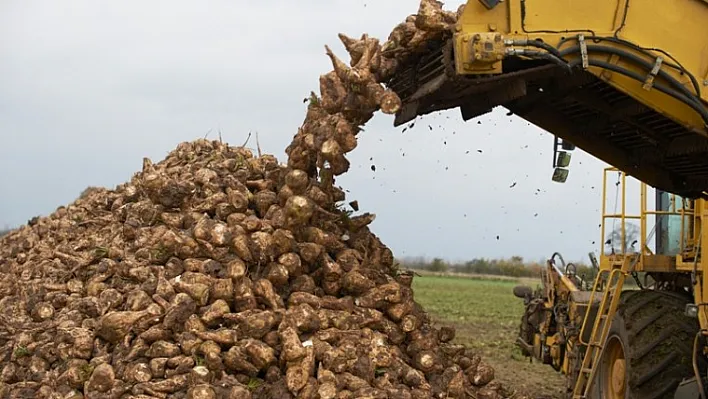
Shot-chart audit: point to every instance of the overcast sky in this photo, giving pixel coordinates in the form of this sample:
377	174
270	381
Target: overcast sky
88	88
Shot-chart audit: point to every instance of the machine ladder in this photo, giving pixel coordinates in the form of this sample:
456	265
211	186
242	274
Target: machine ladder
610	290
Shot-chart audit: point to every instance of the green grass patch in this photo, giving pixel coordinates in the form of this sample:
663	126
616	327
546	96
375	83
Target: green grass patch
486	317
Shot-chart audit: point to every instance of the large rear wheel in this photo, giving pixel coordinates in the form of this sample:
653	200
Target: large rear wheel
649	347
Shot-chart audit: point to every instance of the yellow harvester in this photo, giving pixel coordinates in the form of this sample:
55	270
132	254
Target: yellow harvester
626	81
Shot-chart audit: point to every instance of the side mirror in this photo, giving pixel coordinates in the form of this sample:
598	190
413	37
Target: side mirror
560	175
563	159
567	145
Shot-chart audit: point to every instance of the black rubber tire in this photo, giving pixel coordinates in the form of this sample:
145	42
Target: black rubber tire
657	338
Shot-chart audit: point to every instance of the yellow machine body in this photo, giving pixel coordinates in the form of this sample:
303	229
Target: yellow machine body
626	81
676	27
560	338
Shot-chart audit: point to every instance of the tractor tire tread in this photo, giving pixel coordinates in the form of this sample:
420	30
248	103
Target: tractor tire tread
660	353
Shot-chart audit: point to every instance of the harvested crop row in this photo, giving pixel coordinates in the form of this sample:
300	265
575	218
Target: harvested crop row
217	274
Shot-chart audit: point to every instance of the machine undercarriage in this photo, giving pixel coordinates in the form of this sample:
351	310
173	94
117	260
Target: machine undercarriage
648	319
569	101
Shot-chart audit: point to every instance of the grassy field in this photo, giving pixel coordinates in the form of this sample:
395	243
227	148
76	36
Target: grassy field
486	316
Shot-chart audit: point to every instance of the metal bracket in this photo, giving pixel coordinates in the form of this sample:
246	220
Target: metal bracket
649	81
490	4
583	51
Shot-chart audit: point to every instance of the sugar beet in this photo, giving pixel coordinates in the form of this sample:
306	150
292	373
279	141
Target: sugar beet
219	274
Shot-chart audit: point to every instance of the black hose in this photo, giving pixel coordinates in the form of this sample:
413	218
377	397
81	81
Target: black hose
545	56
684	95
646	50
634	58
545	46
662	88
676	65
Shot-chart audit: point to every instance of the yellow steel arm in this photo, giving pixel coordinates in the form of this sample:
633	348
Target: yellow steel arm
676	30
625	80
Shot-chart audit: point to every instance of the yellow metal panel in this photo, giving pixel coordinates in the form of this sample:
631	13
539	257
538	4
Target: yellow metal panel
658	263
569	15
476	18
701	292
701	289
677	27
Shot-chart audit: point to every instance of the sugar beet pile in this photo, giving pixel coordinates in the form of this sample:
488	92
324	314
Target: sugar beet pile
218	274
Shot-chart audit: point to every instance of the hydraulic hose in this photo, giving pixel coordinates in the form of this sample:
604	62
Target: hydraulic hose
683	95
646	50
634	58
538	44
552	58
702	111
540	55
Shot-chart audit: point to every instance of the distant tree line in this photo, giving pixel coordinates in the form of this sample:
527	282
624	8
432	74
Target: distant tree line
516	266
511	267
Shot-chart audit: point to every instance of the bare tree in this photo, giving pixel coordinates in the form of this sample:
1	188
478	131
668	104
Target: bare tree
613	243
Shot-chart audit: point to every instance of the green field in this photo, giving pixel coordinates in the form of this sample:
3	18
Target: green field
486	316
